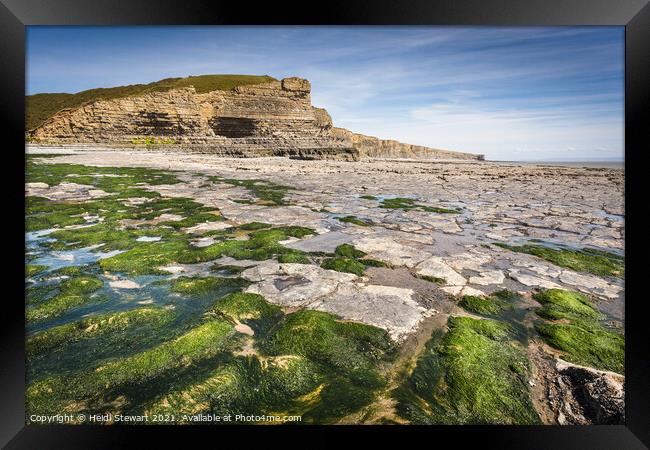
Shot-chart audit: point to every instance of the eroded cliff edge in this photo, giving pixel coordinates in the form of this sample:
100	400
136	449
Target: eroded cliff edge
274	118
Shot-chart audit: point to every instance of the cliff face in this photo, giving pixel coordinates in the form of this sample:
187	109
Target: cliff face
267	119
372	147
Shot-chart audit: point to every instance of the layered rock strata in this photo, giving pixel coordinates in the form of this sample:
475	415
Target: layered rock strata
372	147
267	119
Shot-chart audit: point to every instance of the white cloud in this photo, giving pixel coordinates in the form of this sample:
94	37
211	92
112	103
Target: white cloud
502	134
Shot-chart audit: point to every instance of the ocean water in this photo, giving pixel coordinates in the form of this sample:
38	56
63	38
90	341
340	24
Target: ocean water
590	164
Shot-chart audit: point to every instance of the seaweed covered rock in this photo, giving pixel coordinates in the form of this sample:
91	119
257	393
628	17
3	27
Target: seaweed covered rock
588	260
491	305
128	377
574	327
75	291
346	353
476	373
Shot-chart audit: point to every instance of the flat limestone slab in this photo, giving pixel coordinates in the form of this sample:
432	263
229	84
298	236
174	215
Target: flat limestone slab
277	215
533	281
293	285
590	284
326	242
488	277
302	285
473	260
207	226
462	291
390	308
387	249
436	267
64	191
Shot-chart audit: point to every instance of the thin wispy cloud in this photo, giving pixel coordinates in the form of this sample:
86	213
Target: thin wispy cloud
510	93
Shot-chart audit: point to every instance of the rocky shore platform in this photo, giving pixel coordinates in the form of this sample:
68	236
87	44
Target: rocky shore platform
500	286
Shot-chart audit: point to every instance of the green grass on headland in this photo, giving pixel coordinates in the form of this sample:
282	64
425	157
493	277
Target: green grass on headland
40	107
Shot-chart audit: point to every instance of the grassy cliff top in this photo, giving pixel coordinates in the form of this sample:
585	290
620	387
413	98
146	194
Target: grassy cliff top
40	107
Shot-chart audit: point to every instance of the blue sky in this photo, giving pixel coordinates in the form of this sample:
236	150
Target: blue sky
510	93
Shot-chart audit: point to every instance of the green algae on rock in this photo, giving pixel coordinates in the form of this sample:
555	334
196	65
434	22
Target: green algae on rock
587	343
109	179
200	342
33	269
476	373
52	394
584	260
576	331
39	293
118	183
103	236
348	259
253	226
490	305
250	309
355	220
346	353
369	262
348	348
41	214
294	257
72	271
348	251
63	335
72	292
280	378
194	286
146	258
267	192
319	376
341	264
243	383
149	257
559	304
261	245
482	305
409	203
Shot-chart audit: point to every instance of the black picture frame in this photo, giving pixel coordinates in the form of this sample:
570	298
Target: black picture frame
15	15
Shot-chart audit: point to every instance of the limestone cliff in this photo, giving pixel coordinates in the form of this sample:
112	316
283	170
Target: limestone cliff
267	119
372	147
